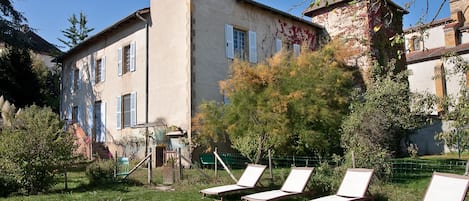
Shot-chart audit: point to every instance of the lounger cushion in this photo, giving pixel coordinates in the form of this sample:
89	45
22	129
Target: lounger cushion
223	189
297	180
268	195
335	198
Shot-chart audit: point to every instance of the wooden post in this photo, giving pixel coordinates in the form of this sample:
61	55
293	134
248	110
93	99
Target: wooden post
467	168
353	159
115	164
270	165
180	163
150	173
224	166
216	165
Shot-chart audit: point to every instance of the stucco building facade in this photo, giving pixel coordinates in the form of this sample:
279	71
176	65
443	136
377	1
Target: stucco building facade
153	68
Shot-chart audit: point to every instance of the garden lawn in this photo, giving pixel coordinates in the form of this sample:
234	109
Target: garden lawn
188	188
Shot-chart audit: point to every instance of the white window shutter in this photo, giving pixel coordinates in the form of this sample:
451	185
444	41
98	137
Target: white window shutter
103	69
90	120
252	47
102	134
296	49
132	56
278	45
119	61
118	113
93	72
133	109
229	41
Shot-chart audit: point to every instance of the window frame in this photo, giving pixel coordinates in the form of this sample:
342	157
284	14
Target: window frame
240	52
126	59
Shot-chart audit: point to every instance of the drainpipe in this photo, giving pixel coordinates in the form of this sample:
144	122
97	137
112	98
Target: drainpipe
146	81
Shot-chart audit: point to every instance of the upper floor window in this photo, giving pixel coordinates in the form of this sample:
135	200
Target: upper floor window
76	79
415	43
126	59
99	69
126	55
240	44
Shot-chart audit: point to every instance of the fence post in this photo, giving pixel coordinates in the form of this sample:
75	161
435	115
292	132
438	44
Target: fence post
150	173
180	164
216	165
467	168
353	159
270	165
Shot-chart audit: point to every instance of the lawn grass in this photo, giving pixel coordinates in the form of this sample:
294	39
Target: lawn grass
187	189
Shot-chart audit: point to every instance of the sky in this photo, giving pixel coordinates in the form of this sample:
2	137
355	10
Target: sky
49	17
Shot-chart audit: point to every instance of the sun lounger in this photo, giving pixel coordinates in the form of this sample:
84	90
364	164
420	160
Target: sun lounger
447	187
248	180
353	187
294	185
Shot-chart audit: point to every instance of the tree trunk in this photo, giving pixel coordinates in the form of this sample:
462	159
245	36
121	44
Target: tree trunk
259	148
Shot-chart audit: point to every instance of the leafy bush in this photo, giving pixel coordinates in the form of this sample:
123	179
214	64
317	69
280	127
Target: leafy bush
33	148
8	185
100	172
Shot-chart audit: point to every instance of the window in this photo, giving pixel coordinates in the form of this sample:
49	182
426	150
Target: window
126	56
239	43
99	70
415	43
126	59
76	79
126	110
74	114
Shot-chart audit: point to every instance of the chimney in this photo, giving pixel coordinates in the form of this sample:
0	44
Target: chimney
451	29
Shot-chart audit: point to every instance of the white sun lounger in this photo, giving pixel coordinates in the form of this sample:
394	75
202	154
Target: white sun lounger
447	187
294	185
353	186
248	180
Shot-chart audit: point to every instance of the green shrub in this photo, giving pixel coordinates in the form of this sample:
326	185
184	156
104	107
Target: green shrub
7	185
100	172
33	148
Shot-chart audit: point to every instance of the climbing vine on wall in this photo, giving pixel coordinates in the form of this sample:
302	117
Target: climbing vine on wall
293	34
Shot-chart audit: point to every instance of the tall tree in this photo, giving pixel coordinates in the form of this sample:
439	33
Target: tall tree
77	32
18	81
10	25
292	105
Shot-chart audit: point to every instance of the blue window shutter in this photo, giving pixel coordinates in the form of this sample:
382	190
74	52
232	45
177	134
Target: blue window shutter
79	79
103	69
93	72
79	117
69	114
132	56
90	119
72	79
252	47
118	113
229	41
119	61
133	109
102	134
278	45
296	49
